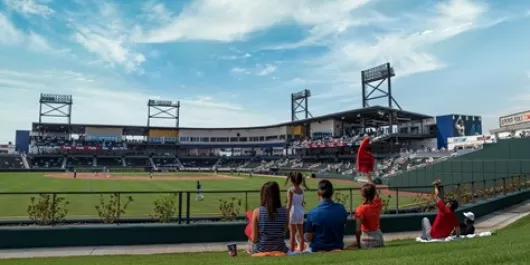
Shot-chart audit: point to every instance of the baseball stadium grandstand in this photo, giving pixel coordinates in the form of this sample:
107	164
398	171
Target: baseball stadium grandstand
326	145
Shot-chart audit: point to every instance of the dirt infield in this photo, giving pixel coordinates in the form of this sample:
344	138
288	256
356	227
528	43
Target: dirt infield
125	177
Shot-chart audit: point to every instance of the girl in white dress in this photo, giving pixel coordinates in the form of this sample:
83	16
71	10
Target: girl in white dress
295	208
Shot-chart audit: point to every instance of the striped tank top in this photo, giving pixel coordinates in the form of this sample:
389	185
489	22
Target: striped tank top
271	232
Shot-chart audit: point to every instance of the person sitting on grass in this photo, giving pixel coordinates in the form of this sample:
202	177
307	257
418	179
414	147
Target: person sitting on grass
269	222
325	224
445	222
468	227
367	230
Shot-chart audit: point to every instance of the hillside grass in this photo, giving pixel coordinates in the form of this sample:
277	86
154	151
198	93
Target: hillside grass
507	247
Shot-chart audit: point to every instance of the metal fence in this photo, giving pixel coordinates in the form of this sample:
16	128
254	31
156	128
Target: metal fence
186	206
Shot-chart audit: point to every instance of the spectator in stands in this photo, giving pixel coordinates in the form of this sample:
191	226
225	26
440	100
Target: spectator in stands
269	221
445	221
367	215
325	224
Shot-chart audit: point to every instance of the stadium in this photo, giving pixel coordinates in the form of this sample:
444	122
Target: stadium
92	174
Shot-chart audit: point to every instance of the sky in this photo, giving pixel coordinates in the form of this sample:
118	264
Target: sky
236	62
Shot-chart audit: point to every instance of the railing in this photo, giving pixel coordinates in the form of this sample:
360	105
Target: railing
186	209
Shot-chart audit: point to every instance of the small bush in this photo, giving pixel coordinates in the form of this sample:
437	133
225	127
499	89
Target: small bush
165	208
109	211
47	209
229	209
386	202
341	198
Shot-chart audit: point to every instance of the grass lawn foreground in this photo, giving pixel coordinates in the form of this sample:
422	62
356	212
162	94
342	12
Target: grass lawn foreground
507	247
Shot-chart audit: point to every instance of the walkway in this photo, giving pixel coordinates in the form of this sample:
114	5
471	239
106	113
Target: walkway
494	221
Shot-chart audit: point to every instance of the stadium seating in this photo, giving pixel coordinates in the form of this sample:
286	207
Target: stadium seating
80	162
45	161
109	162
11	162
194	162
138	162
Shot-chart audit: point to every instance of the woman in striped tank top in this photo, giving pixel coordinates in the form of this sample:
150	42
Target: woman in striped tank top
269	221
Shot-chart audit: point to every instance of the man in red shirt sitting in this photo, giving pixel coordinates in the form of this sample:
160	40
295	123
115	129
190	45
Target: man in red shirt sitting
445	222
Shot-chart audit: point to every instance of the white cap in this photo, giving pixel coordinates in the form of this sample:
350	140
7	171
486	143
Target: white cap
470	216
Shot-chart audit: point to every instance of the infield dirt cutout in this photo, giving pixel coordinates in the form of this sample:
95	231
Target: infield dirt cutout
101	176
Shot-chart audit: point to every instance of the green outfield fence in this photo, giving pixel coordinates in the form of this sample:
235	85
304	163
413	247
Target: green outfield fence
400	200
456	171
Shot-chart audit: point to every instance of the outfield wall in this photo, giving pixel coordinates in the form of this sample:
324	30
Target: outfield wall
510	157
145	234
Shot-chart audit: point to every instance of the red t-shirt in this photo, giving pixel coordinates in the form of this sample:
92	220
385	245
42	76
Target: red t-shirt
445	221
370	214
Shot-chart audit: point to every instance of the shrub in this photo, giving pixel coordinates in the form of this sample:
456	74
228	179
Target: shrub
109	211
229	209
47	209
341	198
386	202
165	208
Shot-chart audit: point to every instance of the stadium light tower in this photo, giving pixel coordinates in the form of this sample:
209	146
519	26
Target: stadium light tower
56	106
299	104
167	109
379	75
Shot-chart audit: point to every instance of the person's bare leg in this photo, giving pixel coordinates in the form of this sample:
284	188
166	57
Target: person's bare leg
292	237
300	231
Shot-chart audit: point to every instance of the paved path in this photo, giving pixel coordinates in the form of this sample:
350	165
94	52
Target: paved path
494	221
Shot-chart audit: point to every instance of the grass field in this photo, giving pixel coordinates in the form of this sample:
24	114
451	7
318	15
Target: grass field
508	247
15	206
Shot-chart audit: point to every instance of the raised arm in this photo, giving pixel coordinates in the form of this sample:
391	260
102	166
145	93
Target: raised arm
371	181
437	196
305	185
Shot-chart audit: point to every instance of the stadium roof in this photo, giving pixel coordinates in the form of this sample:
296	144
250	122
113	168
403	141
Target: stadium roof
375	115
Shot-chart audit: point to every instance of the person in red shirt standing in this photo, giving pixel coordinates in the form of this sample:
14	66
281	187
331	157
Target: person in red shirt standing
445	222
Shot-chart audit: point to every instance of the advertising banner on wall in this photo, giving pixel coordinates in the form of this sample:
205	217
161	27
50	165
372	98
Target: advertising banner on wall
514	119
464	125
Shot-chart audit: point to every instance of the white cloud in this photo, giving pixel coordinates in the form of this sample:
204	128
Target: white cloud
266	70
407	46
259	70
8	33
104	33
239	70
109	101
30	7
234	20
236	57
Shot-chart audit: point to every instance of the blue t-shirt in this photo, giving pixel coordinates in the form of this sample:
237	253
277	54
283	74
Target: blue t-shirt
326	222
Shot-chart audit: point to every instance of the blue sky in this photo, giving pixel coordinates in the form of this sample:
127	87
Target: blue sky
235	63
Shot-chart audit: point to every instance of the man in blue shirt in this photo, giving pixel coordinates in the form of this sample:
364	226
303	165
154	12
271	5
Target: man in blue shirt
324	226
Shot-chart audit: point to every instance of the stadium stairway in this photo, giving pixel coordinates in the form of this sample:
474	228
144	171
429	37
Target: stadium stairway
123	162
63	164
95	162
492	222
24	161
153	165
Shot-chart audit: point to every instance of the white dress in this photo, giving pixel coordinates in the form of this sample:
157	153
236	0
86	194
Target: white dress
296	216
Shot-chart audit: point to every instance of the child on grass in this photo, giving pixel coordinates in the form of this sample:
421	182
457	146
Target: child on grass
295	208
